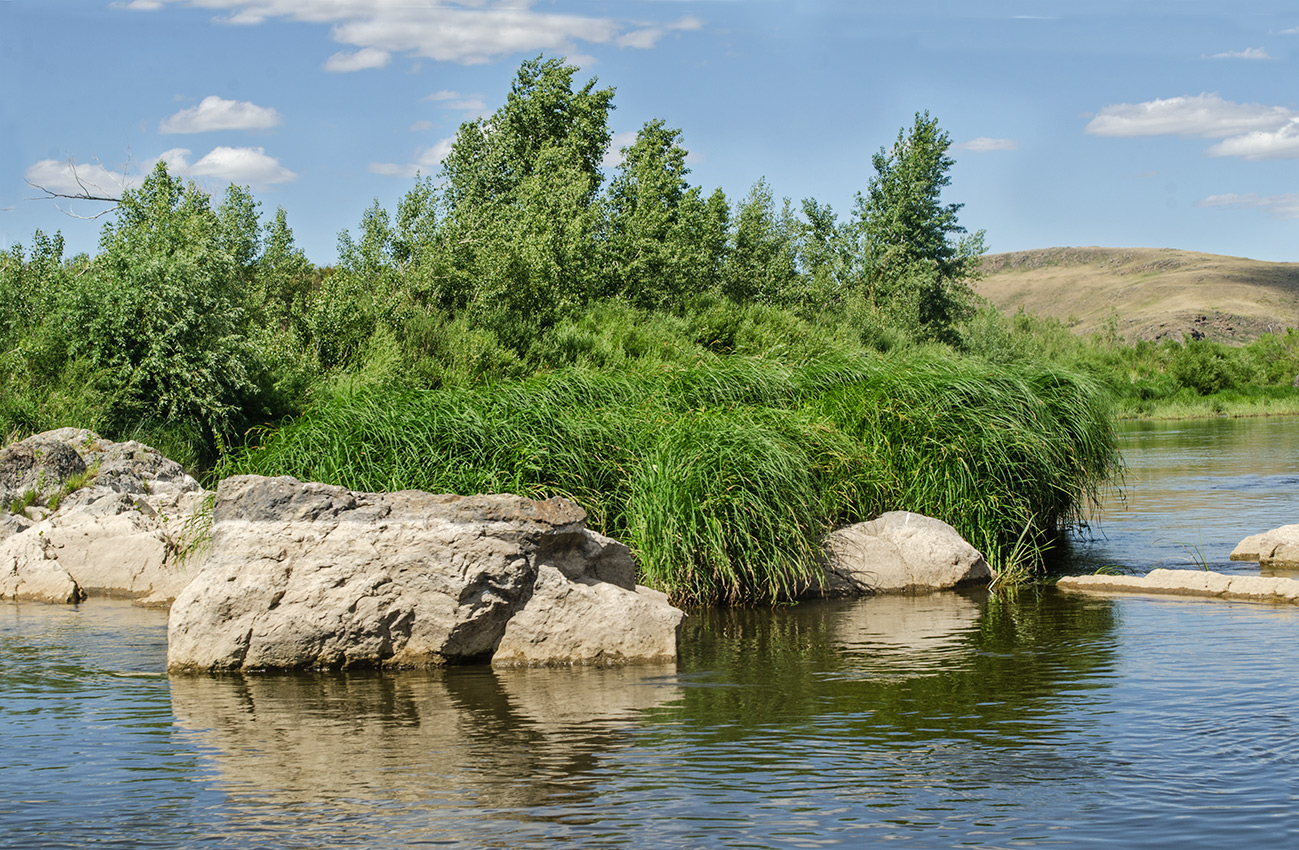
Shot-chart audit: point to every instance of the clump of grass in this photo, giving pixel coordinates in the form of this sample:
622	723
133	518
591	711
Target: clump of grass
196	533
20	504
723	474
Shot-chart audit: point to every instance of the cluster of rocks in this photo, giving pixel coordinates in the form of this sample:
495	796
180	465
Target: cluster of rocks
301	575
80	515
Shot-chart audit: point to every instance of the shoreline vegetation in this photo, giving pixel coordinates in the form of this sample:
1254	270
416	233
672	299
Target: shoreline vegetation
717	383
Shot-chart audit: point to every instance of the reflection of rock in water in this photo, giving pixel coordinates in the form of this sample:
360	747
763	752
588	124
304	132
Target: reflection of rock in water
907	623
883	628
443	739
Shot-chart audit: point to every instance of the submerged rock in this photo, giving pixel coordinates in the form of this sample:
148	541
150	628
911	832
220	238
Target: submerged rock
1190	583
1276	548
899	552
92	517
306	575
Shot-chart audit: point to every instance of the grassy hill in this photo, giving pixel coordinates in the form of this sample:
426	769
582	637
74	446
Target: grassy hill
1148	293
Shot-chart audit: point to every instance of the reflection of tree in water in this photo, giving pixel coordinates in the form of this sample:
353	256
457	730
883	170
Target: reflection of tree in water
459	739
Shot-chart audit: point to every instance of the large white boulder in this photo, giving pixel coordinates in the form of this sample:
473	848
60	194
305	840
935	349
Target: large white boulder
899	552
315	576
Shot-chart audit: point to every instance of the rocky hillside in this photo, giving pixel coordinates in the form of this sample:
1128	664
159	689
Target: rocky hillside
1148	293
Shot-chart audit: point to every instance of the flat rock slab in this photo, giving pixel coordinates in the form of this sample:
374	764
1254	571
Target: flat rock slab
1195	583
1276	548
899	552
312	576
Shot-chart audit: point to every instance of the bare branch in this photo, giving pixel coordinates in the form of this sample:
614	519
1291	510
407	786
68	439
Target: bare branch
87	191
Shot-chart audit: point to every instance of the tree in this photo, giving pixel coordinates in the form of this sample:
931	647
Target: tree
519	192
760	264
662	238
159	316
492	156
916	259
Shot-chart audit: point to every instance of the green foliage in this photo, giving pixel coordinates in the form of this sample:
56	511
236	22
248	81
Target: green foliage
760	264
663	240
705	380
916	259
159	313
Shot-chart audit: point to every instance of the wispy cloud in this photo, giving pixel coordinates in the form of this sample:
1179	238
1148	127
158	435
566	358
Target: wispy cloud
365	59
251	166
1284	207
984	144
1282	143
463	102
648	36
1255	53
72	178
463	31
217	113
1247	130
1204	115
426	161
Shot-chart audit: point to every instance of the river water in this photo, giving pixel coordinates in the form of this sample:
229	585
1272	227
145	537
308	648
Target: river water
1046	720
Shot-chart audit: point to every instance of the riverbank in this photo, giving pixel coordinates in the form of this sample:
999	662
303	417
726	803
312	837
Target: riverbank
1235	403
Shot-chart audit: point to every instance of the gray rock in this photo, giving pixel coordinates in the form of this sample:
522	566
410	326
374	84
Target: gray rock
899	552
122	533
38	465
313	576
1276	548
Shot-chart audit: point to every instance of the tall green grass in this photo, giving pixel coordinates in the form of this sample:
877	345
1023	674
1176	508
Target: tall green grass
723	473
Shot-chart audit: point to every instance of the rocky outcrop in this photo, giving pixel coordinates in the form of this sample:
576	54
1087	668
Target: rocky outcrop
81	516
899	552
1276	548
315	576
1190	583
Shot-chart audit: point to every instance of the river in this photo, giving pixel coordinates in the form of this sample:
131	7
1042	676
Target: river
1044	720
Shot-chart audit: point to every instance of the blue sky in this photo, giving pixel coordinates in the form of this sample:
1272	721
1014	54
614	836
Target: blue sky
1159	124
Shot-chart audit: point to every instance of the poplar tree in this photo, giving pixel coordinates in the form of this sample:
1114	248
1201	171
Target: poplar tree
919	261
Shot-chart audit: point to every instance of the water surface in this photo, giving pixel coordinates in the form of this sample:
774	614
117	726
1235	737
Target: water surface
1046	720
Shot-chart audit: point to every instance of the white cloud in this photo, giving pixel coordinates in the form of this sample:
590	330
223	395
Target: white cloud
420	127
464	31
1249	53
1247	130
984	144
237	165
1205	115
71	178
360	60
427	161
216	113
1284	207
1282	143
